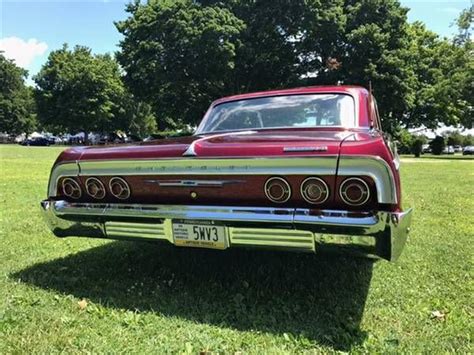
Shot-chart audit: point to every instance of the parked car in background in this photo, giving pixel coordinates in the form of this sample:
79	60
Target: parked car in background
425	148
449	149
305	169
457	149
469	150
38	141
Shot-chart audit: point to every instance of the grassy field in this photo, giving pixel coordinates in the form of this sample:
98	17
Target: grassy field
79	295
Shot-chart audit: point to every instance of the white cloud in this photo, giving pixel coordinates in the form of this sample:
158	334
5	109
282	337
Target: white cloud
21	51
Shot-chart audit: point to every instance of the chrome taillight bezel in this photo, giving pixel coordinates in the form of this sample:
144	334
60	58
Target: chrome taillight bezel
75	188
286	194
124	185
357	182
101	188
305	195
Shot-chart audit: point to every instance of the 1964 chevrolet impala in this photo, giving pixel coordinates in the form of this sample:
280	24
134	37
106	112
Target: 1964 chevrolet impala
303	169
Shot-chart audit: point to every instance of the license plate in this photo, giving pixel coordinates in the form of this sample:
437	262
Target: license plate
199	235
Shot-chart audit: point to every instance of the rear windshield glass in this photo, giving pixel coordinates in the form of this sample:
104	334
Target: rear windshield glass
316	110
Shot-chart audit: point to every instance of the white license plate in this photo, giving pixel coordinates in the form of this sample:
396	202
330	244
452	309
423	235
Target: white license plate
200	235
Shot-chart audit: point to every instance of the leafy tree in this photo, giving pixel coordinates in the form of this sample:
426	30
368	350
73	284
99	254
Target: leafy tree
79	91
437	145
417	145
138	118
454	138
180	55
468	140
464	23
16	100
404	141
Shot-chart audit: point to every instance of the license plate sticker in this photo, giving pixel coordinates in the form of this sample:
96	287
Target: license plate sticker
200	235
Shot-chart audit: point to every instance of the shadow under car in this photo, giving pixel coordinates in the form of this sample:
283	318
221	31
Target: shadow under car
319	297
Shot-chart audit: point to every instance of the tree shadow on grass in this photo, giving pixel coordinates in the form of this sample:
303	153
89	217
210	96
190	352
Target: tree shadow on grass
321	298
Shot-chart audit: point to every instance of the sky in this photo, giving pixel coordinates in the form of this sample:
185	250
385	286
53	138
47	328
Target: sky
30	30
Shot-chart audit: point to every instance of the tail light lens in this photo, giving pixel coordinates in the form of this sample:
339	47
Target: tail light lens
314	190
119	188
95	188
354	191
277	190
71	188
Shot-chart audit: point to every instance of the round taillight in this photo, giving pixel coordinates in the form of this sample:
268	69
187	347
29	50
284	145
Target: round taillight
71	188
314	190
277	190
95	188
354	191
119	188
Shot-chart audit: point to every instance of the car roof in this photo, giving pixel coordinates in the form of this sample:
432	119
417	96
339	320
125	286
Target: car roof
343	89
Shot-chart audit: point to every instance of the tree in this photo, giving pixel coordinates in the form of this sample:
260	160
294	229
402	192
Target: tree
454	138
79	91
437	145
417	145
138	118
464	23
17	111
180	55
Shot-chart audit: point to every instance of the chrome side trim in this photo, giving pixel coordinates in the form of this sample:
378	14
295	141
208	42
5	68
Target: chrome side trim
374	167
208	166
193	183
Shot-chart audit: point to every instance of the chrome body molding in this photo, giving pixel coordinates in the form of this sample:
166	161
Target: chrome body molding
193	183
374	167
379	234
345	165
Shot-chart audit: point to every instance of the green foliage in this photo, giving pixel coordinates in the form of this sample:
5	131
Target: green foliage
178	56
79	91
464	23
137	118
417	145
17	107
404	141
468	140
181	55
454	138
437	145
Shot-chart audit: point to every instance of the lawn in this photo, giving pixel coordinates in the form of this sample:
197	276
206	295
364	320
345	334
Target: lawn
80	295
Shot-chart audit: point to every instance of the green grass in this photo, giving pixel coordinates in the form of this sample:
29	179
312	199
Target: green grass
155	298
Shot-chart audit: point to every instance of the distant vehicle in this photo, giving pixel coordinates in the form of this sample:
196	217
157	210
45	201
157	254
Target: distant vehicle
468	150
425	148
449	149
38	141
457	149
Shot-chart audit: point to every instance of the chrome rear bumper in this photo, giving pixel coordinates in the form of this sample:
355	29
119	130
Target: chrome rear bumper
380	234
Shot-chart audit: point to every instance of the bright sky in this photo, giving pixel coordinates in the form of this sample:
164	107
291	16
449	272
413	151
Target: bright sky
30	29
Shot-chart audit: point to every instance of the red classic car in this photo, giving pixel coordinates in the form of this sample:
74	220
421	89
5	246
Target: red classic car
304	169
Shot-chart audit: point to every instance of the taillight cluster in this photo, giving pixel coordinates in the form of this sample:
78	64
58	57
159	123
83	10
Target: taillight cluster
95	188
353	191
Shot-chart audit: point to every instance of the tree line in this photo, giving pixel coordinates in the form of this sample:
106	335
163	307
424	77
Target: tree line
177	56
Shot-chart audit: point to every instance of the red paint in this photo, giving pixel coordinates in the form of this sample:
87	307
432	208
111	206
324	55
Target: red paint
263	143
